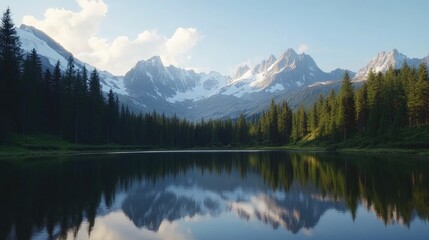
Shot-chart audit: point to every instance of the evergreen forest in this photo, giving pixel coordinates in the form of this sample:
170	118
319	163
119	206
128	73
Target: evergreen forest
70	105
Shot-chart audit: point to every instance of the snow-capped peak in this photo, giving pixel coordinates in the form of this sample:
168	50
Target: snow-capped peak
264	65
51	52
152	64
155	61
31	38
289	54
286	61
383	61
241	71
272	58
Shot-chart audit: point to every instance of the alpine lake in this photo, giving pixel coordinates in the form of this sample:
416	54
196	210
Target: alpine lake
215	195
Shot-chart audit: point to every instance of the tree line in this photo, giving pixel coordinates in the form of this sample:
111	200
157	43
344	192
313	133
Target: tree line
70	104
384	103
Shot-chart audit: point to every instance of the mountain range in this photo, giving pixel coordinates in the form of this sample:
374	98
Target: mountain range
214	194
152	86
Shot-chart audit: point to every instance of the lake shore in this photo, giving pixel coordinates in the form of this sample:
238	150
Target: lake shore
374	150
44	145
8	152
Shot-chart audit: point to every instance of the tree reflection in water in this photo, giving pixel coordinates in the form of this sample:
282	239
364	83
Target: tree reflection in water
283	189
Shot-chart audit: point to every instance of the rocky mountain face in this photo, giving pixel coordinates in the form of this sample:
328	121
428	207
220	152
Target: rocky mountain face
151	86
51	52
289	71
174	198
172	84
384	60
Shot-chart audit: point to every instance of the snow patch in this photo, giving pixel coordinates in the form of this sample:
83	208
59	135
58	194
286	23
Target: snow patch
275	88
199	91
320	83
115	83
29	42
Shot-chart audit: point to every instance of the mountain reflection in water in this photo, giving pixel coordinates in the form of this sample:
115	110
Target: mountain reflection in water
63	197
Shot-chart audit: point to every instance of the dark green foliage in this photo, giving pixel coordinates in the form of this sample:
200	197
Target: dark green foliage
284	123
243	129
112	117
346	117
385	103
10	68
71	105
418	98
361	108
54	104
299	124
274	126
96	103
68	190
31	94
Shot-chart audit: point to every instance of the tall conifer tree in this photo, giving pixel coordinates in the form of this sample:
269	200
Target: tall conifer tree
10	65
347	108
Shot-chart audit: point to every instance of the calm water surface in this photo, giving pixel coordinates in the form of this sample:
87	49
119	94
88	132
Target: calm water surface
215	195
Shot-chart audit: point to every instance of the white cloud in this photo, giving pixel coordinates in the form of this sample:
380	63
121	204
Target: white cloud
77	32
116	225
303	48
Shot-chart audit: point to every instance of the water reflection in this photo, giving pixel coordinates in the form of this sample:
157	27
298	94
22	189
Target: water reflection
74	197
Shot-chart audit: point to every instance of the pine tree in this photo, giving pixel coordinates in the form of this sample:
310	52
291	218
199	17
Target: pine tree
243	129
313	120
111	117
69	77
331	112
68	108
302	122
285	122
47	101
56	100
79	95
418	98
272	122
84	108
96	107
388	97
31	94
323	115
347	108
423	83
84	79
265	128
10	65
361	103
295	135
374	101
399	101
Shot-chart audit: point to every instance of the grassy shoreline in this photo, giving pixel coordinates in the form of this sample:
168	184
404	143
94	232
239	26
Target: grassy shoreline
372	150
38	146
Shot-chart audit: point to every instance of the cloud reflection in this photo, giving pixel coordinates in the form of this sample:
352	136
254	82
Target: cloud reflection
117	226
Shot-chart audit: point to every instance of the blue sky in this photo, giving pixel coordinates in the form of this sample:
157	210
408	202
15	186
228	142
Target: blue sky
222	34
